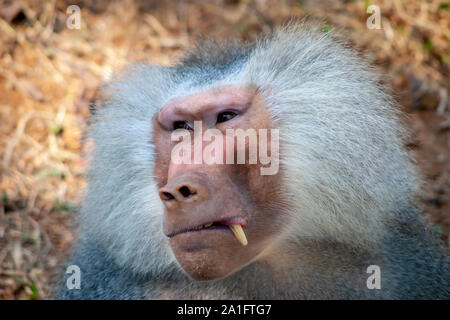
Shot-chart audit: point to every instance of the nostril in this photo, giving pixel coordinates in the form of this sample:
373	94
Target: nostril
186	191
167	196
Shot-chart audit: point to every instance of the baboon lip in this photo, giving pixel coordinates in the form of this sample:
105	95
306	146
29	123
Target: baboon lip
215	225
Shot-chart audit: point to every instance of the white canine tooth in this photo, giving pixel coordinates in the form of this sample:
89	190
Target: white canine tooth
239	233
208	225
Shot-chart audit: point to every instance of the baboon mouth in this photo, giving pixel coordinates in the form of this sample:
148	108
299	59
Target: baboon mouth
234	224
209	226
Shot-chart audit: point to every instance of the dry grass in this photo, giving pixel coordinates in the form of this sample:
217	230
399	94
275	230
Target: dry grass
49	74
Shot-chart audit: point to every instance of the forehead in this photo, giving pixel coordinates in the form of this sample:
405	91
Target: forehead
219	96
209	67
202	103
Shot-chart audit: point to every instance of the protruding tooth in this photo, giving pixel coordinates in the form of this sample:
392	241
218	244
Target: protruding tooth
208	225
239	233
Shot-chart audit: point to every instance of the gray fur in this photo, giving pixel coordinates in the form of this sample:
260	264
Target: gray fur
349	181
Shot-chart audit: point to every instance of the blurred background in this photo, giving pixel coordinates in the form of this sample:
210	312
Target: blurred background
49	75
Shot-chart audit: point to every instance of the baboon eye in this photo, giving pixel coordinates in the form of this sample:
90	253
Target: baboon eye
181	125
225	116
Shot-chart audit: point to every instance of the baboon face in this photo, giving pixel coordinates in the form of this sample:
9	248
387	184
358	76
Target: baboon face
216	211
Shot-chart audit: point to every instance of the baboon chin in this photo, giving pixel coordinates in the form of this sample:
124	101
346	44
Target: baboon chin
276	168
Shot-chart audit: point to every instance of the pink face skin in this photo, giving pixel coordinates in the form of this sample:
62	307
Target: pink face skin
205	106
199	194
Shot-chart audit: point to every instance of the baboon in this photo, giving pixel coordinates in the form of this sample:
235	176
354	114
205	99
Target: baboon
343	200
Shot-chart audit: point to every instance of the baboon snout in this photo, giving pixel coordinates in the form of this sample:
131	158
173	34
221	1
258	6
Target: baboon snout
183	189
